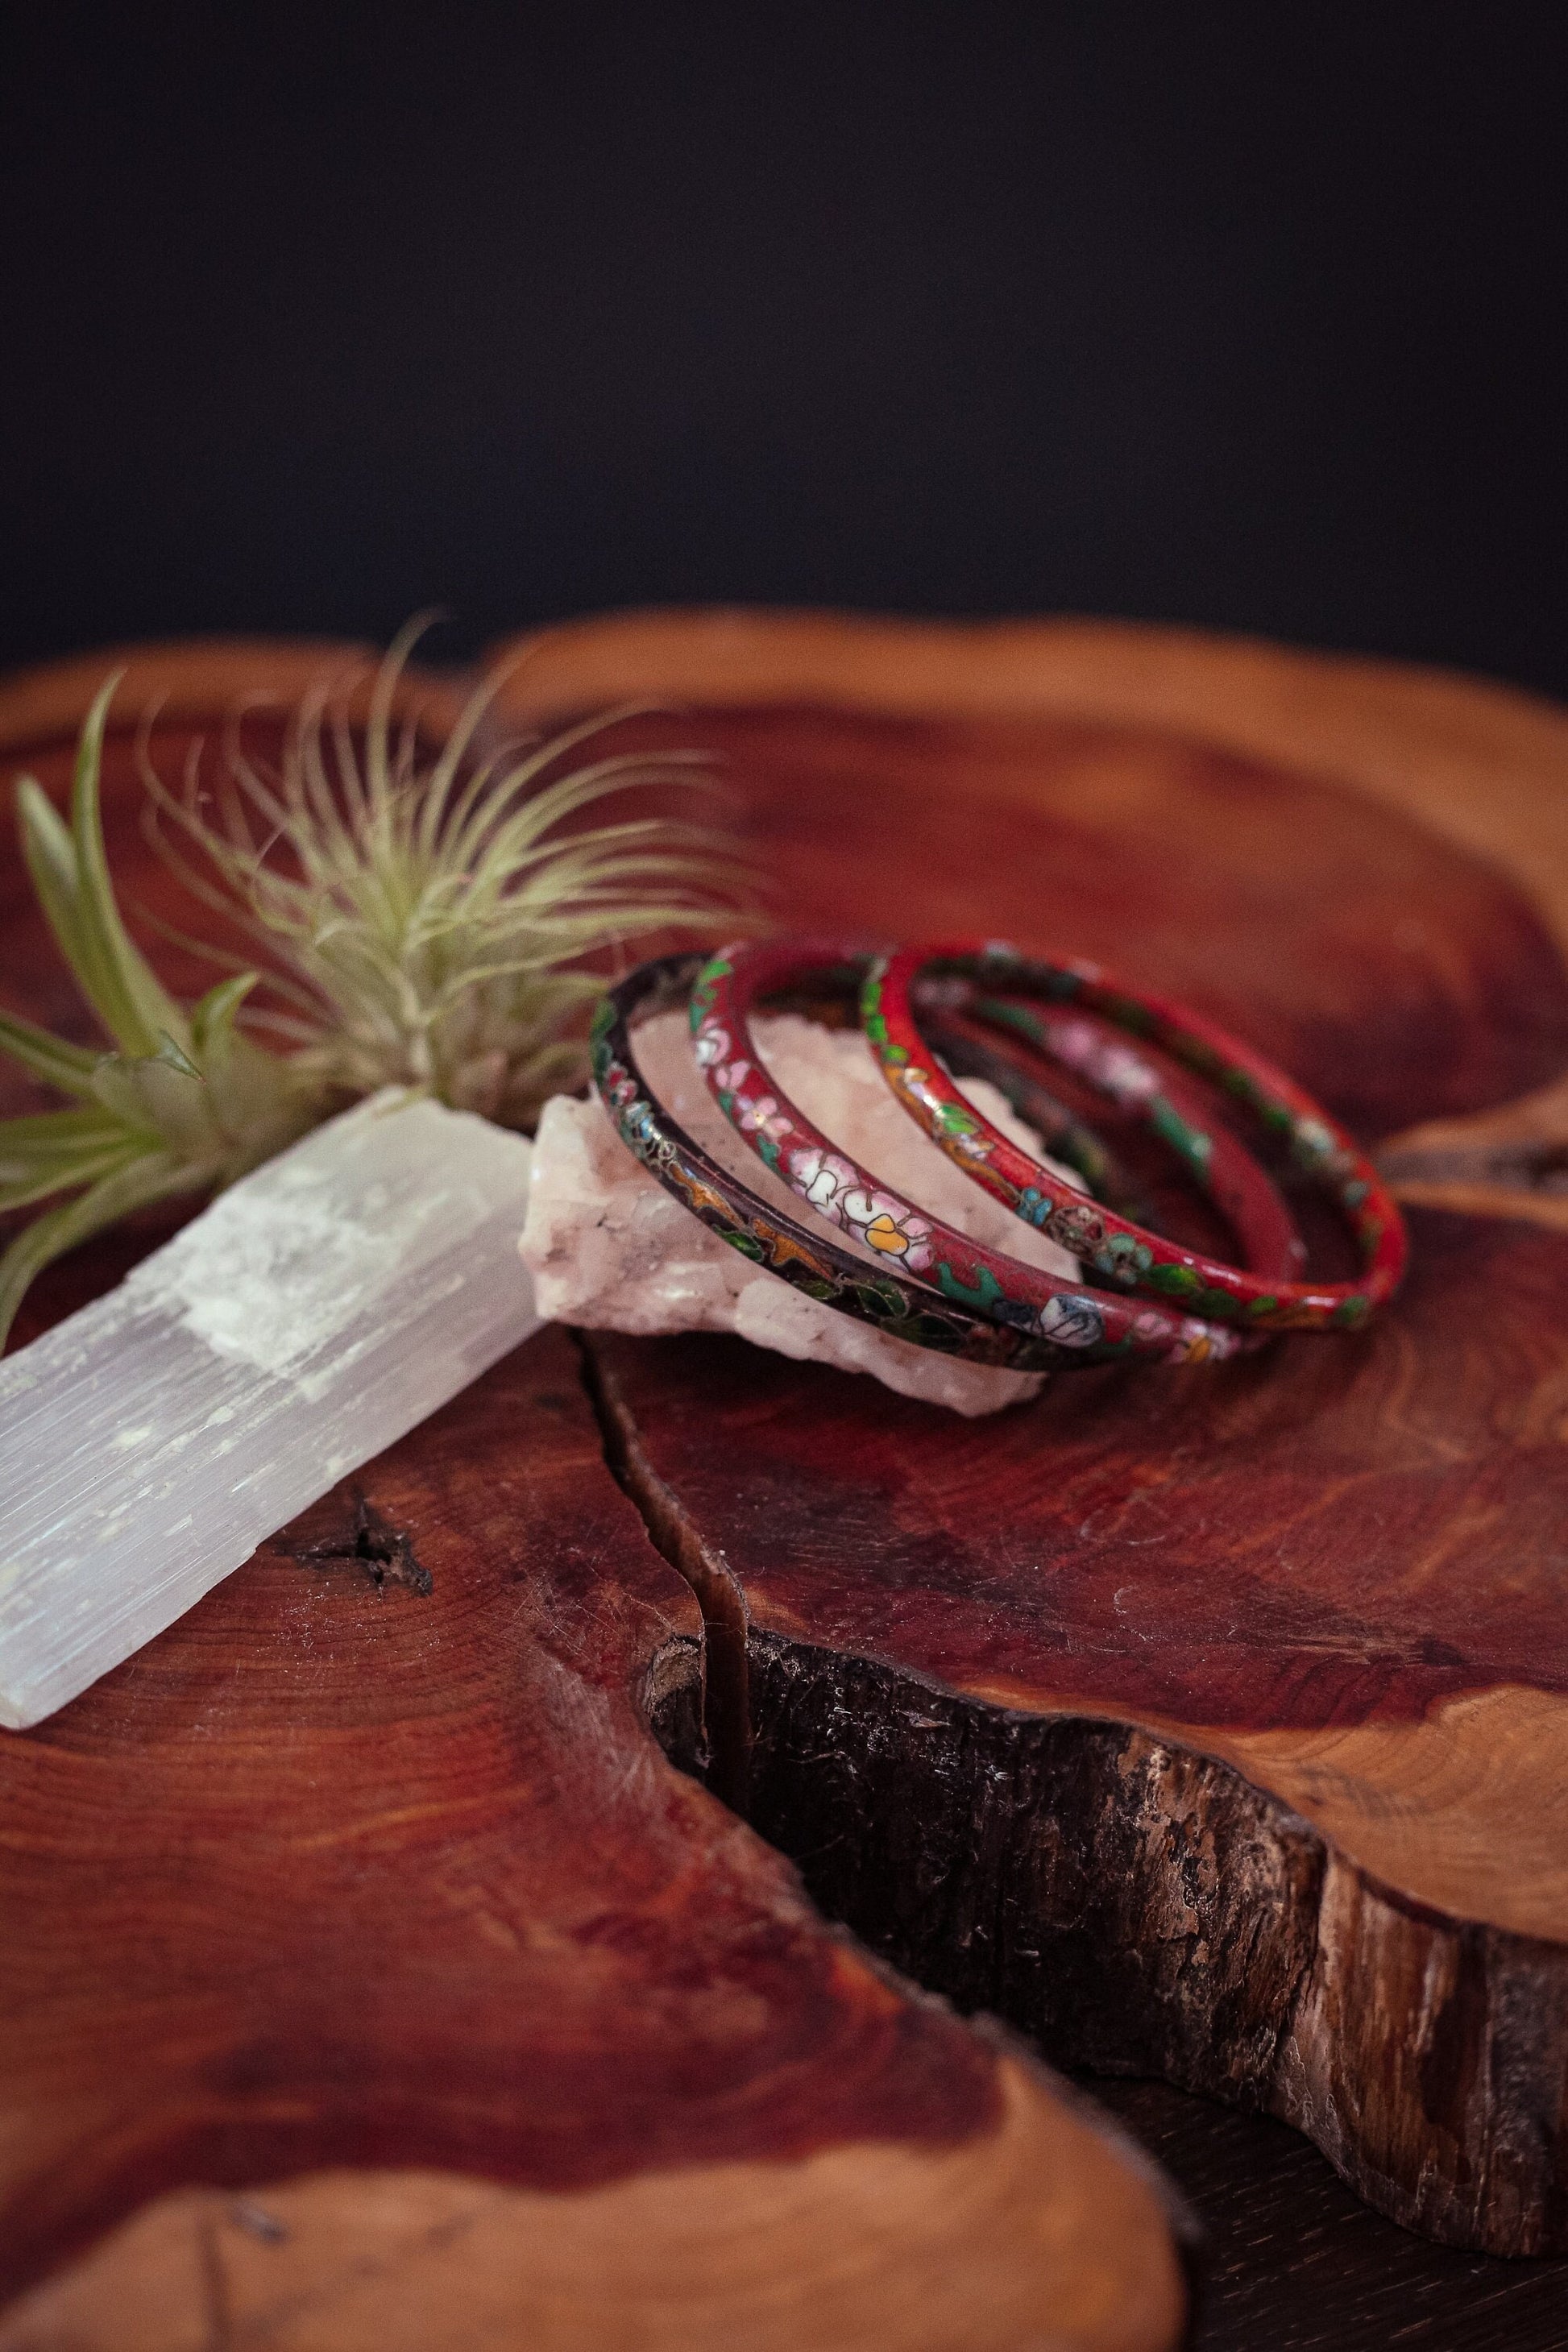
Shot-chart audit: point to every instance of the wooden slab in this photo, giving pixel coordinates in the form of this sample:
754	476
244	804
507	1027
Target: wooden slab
1211	1723
369	1978
1457	1018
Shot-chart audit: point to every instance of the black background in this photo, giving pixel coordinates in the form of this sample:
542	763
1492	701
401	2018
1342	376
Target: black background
1242	316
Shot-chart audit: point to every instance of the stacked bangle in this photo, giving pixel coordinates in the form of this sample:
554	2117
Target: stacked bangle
984	1010
1120	1252
910	1238
807	1260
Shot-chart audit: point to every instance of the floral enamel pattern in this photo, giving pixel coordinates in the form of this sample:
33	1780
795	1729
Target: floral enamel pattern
919	1279
1265	1296
1007	1291
829	1183
873	1294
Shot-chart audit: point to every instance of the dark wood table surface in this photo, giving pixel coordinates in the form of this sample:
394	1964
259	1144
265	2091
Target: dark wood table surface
1297	2264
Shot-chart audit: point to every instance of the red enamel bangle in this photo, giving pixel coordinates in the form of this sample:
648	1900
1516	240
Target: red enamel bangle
829	1180
972	1049
1245	1196
1117	1251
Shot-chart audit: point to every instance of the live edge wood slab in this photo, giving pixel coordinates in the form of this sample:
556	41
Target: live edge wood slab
1209	1724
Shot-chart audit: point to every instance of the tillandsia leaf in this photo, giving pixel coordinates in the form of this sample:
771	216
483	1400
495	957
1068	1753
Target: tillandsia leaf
50	856
58	1148
142	1014
213	1033
437	914
69	868
184	1105
69	1067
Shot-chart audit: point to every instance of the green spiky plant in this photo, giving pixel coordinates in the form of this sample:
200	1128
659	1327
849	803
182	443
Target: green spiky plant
431	923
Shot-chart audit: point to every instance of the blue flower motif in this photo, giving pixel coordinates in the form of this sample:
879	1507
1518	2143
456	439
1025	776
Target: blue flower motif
1122	1258
641	1130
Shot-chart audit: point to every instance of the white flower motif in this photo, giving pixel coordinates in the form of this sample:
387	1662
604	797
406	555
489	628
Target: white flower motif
820	1177
886	1225
710	1044
1070	1321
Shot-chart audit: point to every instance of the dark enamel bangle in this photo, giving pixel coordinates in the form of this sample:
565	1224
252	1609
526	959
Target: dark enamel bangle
806	1259
843	1194
1119	1252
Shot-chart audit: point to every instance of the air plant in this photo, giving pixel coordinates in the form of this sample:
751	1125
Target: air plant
425	919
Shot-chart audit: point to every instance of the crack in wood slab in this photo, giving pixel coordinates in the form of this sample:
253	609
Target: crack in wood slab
385	1918
725	1700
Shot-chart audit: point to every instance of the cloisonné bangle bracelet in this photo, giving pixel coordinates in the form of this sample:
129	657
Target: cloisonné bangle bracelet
1245	1196
973	1049
829	1180
1117	1251
807	1260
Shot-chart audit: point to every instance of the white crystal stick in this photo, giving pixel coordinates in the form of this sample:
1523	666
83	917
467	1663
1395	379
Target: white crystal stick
318	1310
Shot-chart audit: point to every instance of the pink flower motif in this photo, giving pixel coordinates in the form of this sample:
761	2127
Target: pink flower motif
762	1115
1125	1076
732	1078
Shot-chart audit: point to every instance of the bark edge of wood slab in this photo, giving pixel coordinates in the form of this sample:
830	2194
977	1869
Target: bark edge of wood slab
1140	1895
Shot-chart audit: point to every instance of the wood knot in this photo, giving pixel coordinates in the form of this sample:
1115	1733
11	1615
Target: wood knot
356	1536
